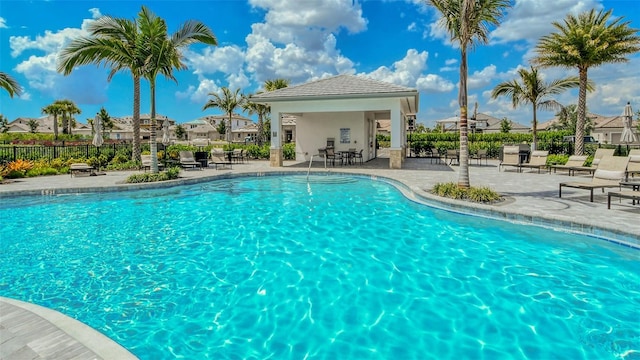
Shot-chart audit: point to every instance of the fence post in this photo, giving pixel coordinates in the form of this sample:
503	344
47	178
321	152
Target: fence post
15	153
87	150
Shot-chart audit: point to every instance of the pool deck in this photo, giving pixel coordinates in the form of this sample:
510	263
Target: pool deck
530	198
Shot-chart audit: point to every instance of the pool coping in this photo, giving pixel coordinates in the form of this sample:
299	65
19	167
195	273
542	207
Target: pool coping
91	339
412	193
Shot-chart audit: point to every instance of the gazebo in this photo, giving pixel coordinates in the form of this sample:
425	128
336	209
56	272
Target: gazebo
341	111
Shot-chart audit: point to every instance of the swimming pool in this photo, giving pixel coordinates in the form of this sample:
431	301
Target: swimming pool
275	267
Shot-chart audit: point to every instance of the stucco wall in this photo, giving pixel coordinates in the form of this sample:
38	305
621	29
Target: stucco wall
313	129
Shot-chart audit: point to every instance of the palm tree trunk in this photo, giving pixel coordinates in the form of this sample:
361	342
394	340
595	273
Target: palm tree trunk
153	144
582	110
136	119
64	123
463	176
229	130
534	146
260	130
55	126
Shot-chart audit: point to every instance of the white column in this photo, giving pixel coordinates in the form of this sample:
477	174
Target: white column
276	157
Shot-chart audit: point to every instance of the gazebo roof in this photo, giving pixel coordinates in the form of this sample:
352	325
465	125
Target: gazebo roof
336	87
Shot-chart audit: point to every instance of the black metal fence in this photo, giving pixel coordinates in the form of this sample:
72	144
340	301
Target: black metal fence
10	153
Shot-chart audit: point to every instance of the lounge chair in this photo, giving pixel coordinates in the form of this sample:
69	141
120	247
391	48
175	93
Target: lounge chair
77	168
610	171
452	155
219	158
538	161
146	162
510	156
187	161
625	194
573	162
596	159
634	163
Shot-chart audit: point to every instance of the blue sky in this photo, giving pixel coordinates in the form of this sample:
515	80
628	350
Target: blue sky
300	40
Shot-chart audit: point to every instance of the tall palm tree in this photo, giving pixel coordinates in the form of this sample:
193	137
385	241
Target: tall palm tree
114	43
163	54
54	110
531	89
467	22
586	41
228	102
10	84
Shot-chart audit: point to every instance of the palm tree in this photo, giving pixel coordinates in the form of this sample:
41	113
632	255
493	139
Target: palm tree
54	110
4	124
260	110
9	84
105	120
114	43
586	41
275	84
162	55
68	109
467	22
33	125
531	89
228	102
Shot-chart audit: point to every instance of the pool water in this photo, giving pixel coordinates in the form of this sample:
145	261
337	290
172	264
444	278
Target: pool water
275	267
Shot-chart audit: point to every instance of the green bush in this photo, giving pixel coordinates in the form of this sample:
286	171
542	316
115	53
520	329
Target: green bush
42	171
169	174
289	151
128	165
15	174
453	191
557	159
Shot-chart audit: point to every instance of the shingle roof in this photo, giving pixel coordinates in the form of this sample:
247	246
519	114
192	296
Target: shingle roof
337	86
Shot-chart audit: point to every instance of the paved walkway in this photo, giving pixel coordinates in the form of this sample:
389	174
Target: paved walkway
530	197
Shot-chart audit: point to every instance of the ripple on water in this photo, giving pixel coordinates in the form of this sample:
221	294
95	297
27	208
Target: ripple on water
336	267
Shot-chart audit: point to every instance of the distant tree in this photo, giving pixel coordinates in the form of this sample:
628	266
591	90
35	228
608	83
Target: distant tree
228	102
568	120
505	126
55	109
33	125
222	128
180	132
585	41
69	109
10	84
421	129
275	84
531	89
4	124
467	22
106	121
260	110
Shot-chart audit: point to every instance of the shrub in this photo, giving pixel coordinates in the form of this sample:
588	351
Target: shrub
289	151
17	168
453	191
42	171
169	174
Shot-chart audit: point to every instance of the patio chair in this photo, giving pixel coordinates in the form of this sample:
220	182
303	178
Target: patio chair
538	160
596	159
219	158
237	155
510	156
481	154
573	162
634	163
332	156
187	161
610	171
451	155
357	156
146	162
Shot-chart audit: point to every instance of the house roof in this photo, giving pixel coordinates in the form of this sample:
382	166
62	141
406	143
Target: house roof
341	86
514	126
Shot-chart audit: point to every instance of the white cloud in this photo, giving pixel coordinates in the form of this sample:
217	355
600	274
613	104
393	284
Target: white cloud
3	23
201	93
412	26
481	78
40	70
530	19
